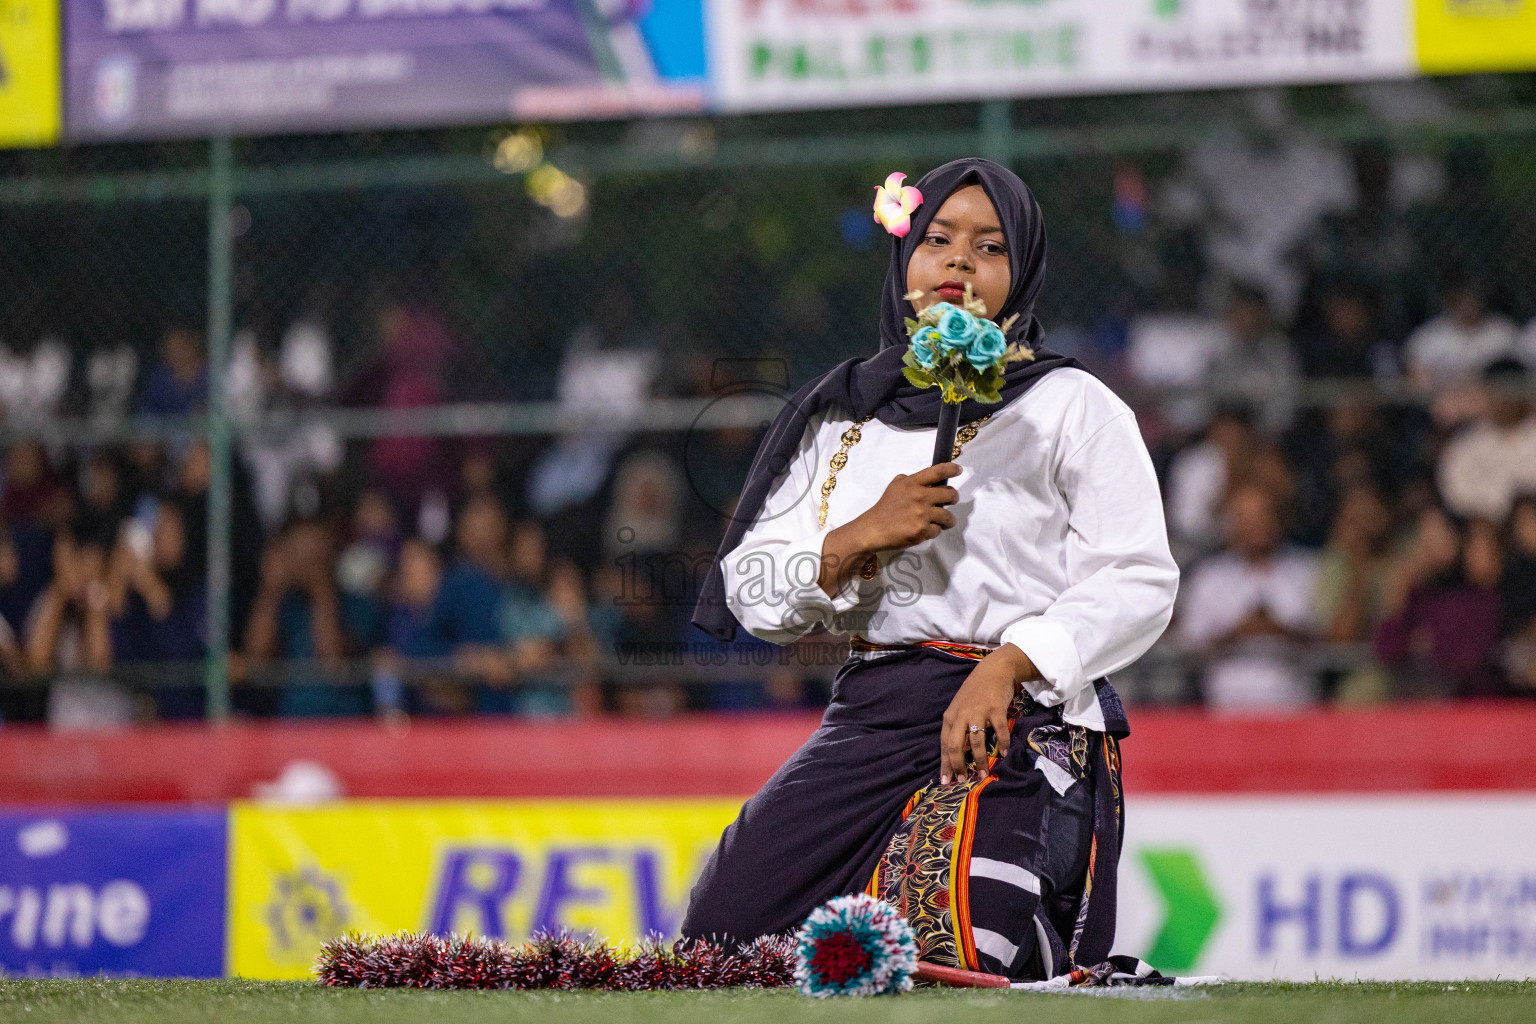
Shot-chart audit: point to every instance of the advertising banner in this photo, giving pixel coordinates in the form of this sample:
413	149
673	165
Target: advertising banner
29	72
122	893
1461	36
169	67
1284	887
1386	887
620	869
789	53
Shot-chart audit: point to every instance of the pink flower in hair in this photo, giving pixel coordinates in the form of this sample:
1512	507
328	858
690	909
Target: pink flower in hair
894	203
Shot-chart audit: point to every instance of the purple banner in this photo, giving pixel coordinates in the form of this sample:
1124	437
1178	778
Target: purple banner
128	893
140	68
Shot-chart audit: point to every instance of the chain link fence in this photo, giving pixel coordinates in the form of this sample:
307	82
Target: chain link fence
409	315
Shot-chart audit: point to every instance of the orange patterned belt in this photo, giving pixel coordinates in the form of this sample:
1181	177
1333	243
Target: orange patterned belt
971	651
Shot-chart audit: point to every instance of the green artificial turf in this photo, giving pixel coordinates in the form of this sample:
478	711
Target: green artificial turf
167	1002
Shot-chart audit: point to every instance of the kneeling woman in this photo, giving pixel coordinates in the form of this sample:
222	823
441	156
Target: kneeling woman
967	769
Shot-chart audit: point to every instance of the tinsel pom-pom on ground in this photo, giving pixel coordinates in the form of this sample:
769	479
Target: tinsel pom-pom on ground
855	946
412	960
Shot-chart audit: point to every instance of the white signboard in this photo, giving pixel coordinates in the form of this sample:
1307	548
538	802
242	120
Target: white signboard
798	53
1298	888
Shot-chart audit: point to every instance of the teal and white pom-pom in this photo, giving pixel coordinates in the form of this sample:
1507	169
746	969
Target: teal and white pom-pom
855	946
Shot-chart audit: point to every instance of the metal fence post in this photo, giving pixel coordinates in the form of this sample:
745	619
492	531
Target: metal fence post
996	126
220	319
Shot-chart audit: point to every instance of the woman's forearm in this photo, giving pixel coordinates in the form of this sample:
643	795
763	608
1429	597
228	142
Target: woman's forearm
261	627
157	596
325	623
97	630
44	636
843	554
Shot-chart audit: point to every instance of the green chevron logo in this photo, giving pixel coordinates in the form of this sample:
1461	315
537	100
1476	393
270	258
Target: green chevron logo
1191	908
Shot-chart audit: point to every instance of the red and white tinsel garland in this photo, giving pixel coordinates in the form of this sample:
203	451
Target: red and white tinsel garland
414	960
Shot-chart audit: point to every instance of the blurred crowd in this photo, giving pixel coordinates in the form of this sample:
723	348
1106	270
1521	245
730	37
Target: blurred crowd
1339	405
395	576
1344	429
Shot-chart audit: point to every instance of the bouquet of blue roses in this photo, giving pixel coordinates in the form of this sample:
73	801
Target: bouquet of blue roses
957	349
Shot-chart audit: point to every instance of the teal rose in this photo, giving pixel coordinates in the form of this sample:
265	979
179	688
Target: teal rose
957	327
987	347
927	346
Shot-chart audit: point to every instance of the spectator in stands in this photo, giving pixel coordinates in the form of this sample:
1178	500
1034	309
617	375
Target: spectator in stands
26	569
69	634
527	556
1200	476
32	382
1352	443
33	493
645	513
12	660
1442	610
635	622
1172	353
1348	342
409	637
1493	460
526	669
104	500
1255	366
528	632
1351	570
159	601
1517	592
297	617
1247	607
190	477
717	463
567	595
178	384
362	571
70	626
1351	578
415	349
478	472
610	365
469	597
1452	349
111	371
290	378
1518	584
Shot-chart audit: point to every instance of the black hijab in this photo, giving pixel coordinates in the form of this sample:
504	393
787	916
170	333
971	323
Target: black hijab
874	385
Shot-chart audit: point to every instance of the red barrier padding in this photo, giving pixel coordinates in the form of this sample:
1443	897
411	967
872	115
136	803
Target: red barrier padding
1424	747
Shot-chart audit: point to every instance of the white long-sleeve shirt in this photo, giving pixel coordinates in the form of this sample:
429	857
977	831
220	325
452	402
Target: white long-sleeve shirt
1059	546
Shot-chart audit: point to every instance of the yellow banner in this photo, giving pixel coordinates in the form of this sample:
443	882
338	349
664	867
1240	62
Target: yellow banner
29	72
614	869
1456	36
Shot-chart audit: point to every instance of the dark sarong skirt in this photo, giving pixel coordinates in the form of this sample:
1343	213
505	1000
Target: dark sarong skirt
1013	873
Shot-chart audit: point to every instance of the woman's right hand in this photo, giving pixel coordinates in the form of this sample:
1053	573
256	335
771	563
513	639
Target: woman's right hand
910	511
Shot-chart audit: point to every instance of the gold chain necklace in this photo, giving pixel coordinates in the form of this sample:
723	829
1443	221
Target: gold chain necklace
851	437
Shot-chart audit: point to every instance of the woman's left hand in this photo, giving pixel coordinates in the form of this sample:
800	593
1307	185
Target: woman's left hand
983	701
